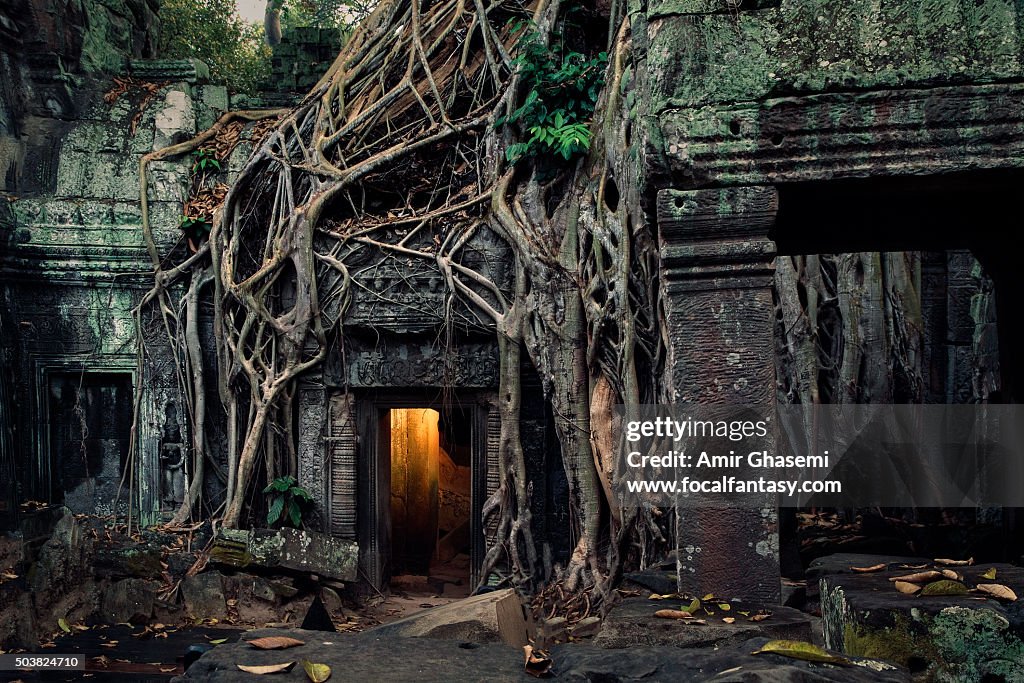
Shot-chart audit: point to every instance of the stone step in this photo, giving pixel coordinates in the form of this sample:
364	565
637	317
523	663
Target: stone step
953	638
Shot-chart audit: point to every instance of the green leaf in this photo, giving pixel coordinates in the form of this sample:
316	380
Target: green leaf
63	623
316	672
276	508
294	513
798	649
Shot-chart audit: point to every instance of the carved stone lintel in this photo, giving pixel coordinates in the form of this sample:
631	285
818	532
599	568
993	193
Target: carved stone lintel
408	365
188	70
717	261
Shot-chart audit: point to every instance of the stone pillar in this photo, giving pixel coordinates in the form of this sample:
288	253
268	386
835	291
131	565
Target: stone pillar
717	266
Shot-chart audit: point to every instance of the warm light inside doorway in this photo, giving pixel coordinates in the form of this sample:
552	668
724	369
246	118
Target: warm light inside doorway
414	485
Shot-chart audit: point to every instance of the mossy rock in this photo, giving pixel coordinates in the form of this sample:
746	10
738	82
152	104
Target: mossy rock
953	639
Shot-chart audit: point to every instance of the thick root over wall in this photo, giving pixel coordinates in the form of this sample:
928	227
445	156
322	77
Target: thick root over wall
411	102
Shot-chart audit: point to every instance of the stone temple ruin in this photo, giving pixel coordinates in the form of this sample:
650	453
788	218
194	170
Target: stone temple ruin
771	130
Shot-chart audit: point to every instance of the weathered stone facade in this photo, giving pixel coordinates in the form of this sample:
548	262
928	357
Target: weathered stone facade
764	126
764	122
73	262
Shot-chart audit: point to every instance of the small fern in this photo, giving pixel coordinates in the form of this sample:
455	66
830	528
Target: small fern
562	87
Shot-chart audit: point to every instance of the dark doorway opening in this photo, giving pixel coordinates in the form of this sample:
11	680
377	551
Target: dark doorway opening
90	417
948	219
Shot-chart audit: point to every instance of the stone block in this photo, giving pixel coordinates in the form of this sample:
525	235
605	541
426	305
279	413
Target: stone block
287	549
203	595
128	601
212	101
62	559
174	120
181	70
488	618
661	579
143	562
953	638
632	623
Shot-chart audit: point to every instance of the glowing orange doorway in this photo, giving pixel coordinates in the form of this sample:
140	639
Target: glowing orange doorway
430	491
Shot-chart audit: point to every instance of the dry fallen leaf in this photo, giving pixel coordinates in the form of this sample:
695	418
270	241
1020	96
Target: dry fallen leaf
673	614
538	662
872	568
913	566
989	574
666	596
944	587
919	577
760	616
318	673
950	574
260	669
997	590
798	649
275	643
907	588
728	620
697	622
954	563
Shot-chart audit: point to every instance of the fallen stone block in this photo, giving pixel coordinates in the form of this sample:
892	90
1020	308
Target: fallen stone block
632	623
129	601
843	563
294	550
142	562
488	618
953	638
203	595
585	628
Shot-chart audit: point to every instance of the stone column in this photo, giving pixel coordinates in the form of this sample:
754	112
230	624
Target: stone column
717	266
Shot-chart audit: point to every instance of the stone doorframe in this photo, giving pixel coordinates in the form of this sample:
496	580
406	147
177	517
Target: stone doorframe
374	472
717	268
40	475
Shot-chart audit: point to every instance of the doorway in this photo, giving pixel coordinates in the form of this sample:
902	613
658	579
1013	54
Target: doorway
90	417
428	454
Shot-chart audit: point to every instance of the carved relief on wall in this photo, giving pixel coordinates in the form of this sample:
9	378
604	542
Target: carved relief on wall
473	365
407	294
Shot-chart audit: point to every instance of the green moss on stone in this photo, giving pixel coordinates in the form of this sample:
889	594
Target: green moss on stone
897	643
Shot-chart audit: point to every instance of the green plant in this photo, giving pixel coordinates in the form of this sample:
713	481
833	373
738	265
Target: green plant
561	88
289	501
212	31
195	228
204	160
